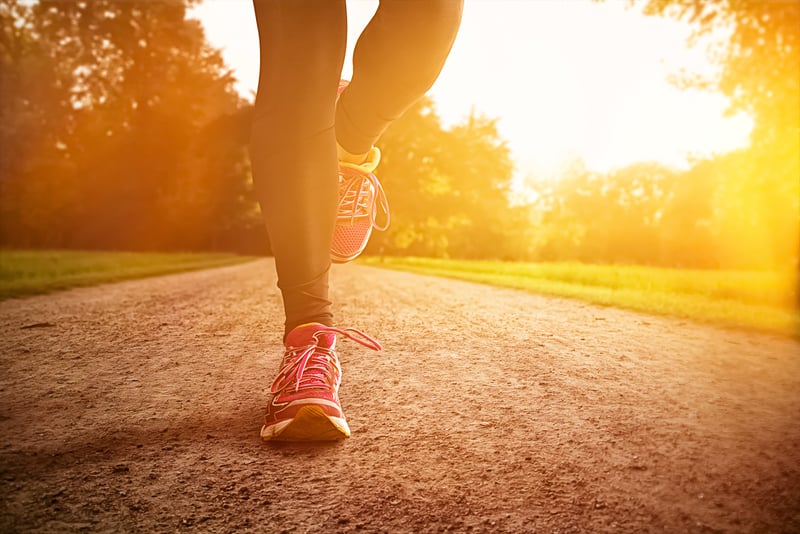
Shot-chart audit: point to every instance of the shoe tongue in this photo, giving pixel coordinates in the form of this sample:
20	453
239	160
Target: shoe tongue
304	335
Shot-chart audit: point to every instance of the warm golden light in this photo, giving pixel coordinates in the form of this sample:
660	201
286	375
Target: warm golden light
565	79
554	133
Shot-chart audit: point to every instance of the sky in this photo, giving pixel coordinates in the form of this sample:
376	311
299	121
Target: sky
565	79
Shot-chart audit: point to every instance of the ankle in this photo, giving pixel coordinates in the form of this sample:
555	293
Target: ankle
362	162
349	157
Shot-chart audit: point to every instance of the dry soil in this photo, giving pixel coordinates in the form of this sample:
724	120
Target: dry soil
136	407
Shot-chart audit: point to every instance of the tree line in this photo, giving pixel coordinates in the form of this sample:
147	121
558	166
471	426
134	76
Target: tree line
120	129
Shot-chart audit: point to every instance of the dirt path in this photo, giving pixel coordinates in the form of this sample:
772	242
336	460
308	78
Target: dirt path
137	407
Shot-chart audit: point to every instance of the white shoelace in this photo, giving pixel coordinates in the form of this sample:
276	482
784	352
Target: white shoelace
360	194
314	367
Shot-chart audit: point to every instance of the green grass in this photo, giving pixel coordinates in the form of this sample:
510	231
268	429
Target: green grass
30	272
749	299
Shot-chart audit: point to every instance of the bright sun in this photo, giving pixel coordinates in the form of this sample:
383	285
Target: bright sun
577	79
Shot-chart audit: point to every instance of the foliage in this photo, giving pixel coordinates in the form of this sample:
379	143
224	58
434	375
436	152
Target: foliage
760	73
650	214
120	128
448	188
735	210
643	214
105	123
760	63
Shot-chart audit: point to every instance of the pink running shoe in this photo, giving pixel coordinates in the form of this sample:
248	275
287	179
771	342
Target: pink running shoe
305	394
360	195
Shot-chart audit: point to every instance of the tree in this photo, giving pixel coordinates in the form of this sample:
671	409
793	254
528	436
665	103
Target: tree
447	187
760	62
761	75
114	102
631	215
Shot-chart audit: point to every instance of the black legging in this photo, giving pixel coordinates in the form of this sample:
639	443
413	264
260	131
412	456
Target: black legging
297	121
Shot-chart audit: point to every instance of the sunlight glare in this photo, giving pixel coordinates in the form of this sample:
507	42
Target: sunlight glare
565	79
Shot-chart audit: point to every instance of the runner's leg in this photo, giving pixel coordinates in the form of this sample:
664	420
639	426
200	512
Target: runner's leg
397	58
293	148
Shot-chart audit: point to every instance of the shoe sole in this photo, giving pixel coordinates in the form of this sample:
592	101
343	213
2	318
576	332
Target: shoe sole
310	424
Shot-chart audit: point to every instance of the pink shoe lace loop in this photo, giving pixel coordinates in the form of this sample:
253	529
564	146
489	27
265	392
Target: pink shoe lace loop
356	335
313	366
360	195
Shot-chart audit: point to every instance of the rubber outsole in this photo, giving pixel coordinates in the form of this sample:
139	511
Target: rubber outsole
310	424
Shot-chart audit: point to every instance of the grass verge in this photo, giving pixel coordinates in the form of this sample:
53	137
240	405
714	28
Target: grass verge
31	272
757	300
